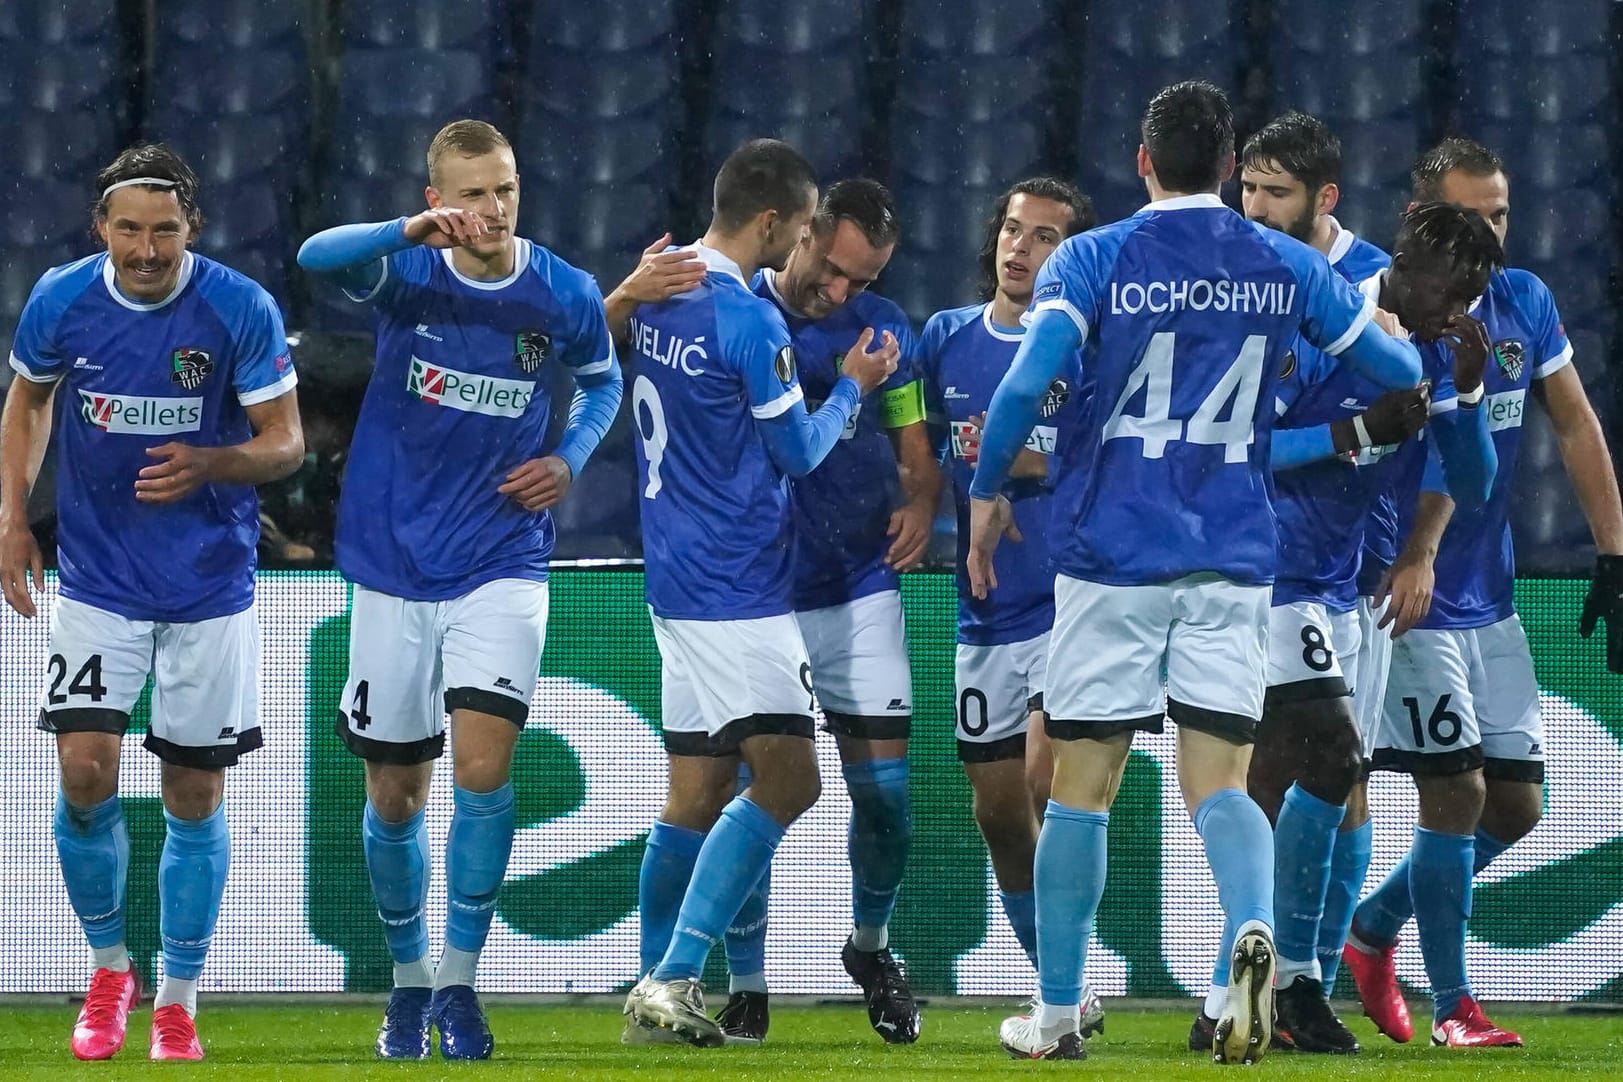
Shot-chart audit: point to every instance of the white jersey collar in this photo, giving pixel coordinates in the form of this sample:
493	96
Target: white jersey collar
188	264
521	261
1002	334
721	264
1200	201
1345	239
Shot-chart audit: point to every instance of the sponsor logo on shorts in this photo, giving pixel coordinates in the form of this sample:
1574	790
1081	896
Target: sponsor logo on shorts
468	391
191	367
896	704
139	415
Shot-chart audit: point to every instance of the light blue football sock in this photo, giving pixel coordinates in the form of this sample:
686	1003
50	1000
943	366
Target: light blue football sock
1218	992
1072	853
93	845
878	840
1240	850
732	860
1304	840
476	853
1383	914
1349	864
1440	883
667	866
191	881
746	936
1021	909
397	865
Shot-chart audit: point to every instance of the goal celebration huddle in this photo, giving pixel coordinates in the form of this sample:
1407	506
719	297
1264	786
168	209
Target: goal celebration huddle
1243	472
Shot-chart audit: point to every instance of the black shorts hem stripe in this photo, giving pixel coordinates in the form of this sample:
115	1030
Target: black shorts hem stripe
735	732
1234	728
1428	764
493	703
1083	729
1034	705
84	719
389	752
992	751
1525	770
870	726
1306	691
214	757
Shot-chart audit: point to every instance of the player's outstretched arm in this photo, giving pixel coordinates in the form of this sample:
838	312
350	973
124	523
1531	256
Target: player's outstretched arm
1383	359
1390	420
797	440
658	276
25	430
274	452
1466	455
353	254
1052	339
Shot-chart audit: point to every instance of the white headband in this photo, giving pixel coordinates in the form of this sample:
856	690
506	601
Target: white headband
157	181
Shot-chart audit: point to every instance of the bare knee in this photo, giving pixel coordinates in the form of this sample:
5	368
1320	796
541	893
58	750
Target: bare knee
700	786
1452	804
397	792
89	766
784	777
482	747
190	793
1512	809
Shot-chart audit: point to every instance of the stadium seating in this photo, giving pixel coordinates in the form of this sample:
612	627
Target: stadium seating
598	129
62	105
1536	84
1365	78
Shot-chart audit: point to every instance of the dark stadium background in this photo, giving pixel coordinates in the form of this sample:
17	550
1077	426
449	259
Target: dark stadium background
305	113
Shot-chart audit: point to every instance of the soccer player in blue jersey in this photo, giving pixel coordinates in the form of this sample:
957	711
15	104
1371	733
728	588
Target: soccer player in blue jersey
172	391
1163	535
862	516
1462	704
722	424
444	528
1002	652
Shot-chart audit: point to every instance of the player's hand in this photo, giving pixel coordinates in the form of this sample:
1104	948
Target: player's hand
181	470
1604	602
1388	322
1467	339
446	227
1406	590
1397	415
871	369
910	526
20	561
661	275
989	521
539	483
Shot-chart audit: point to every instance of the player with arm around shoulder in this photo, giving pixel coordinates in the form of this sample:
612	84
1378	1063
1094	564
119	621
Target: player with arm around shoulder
444	527
172	390
1002	650
1164	531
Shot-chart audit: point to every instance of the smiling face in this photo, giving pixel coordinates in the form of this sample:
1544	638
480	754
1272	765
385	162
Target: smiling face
146	233
826	271
486	184
1032	228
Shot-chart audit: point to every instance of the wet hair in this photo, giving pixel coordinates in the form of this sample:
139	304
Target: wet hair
1301	145
761	175
1067	194
1455	152
1448	234
464	138
866	204
1188	129
160	163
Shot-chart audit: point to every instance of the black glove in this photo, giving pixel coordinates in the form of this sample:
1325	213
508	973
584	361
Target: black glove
1605	602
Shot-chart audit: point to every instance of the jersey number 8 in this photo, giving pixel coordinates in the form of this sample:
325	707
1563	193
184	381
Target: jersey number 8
1237	390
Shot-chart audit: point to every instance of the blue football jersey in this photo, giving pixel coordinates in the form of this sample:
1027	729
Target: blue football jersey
457	400
716	526
132	376
965	355
1321	507
1475	567
841	509
1187	310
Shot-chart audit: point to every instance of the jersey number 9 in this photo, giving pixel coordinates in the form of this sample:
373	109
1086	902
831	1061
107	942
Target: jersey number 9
649	414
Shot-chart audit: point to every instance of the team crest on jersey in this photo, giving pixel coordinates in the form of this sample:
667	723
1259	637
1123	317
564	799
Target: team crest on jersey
192	367
1289	366
1058	393
1512	357
783	365
531	350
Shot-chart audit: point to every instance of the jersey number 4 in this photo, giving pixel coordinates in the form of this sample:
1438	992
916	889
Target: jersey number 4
1236	393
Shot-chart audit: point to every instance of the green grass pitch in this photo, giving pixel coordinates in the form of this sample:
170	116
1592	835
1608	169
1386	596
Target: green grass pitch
249	1043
